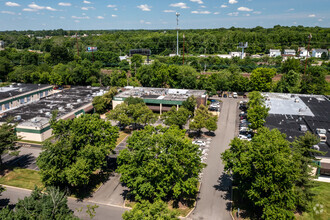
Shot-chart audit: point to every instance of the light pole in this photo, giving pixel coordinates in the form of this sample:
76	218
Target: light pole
177	33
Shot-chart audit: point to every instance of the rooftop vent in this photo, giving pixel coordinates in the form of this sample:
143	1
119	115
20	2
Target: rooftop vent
35	120
19	84
20	90
60	108
41	111
69	105
48	114
79	100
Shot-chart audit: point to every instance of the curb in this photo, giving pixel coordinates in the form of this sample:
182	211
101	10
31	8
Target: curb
14	187
195	204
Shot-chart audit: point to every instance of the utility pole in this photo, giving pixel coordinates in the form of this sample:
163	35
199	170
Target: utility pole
183	51
77	44
309	41
177	33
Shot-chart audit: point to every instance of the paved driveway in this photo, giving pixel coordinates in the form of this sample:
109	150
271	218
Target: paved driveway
26	158
214	199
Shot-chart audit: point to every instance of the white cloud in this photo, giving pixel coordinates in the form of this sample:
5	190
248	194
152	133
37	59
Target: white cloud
179	5
100	17
65	4
320	19
87	2
77	21
201	12
244	9
312	16
29	9
62	17
142	21
203	6
257	12
8	12
147	22
76	17
197	1
50	8
216	13
35	6
12	4
114	16
291	9
232	1
144	7
168	11
111	6
247	15
224	6
87	8
233	14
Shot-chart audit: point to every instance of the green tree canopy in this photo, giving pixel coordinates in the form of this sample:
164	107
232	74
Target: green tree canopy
264	173
160	164
8	139
203	119
261	79
190	104
81	147
176	117
103	103
49	205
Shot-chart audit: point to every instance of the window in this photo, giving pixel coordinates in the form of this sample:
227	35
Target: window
21	101
46	93
28	99
7	106
41	94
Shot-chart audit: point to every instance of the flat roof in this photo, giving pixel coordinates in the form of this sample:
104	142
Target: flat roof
285	117
160	93
16	89
38	113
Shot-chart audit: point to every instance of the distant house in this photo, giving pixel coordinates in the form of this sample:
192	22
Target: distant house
235	54
2	44
318	52
303	52
289	52
274	53
121	58
224	56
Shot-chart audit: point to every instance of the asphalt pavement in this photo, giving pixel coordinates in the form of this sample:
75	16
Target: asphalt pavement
213	202
26	158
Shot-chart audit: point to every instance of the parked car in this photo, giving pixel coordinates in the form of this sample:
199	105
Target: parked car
200	143
242	137
235	95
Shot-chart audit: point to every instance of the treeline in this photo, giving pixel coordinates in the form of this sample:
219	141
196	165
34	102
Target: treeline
163	42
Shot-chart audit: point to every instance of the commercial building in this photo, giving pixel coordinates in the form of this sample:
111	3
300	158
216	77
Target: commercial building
274	52
295	114
33	118
160	99
15	95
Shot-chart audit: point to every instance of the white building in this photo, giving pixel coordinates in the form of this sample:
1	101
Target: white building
236	54
318	52
303	52
224	56
121	58
274	52
2	44
290	52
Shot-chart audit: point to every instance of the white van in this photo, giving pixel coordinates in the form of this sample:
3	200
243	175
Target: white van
235	95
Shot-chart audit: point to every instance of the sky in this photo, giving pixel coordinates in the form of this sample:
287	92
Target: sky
160	14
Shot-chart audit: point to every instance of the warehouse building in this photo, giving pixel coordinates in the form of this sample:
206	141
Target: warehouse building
295	114
15	95
33	118
160	99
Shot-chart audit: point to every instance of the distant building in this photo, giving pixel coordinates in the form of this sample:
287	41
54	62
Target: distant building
289	52
121	58
318	52
160	99
235	54
2	44
303	52
224	56
274	53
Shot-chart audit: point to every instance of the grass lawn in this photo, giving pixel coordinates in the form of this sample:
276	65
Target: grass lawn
322	198
121	137
22	178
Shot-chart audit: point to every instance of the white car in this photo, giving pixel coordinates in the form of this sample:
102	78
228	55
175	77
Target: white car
200	143
243	137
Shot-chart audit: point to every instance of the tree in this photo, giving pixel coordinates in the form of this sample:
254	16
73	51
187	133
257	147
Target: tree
290	82
133	100
49	205
160	163
304	157
176	117
136	60
290	64
264	173
81	147
103	103
8	139
203	119
60	54
314	81
257	111
190	104
261	79
148	211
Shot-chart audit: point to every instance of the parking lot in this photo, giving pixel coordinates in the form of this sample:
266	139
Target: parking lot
26	158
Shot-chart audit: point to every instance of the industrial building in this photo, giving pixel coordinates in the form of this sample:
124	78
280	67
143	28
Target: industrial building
295	114
160	99
33	118
15	95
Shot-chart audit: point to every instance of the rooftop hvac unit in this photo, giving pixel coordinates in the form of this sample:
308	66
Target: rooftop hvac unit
20	90
88	87
17	118
35	120
79	100
19	84
316	147
48	114
69	105
60	108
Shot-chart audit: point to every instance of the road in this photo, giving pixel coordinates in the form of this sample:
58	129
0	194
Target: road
12	194
213	202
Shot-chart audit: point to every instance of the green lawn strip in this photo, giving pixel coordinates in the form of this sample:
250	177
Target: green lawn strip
22	178
321	203
122	136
